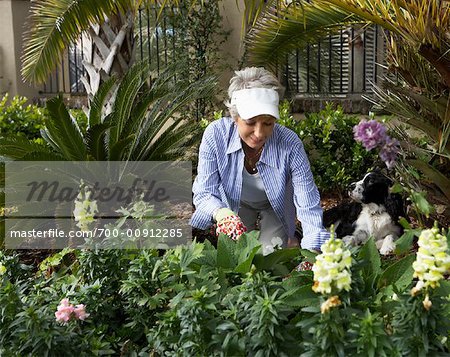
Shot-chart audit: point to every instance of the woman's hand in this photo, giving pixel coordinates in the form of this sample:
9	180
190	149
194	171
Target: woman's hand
229	223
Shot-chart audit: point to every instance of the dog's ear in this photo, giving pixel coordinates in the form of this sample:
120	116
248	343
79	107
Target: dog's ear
395	206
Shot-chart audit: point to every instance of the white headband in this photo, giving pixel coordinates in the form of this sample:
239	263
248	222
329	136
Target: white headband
256	101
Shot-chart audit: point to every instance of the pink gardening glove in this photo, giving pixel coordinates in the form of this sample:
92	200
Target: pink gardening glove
229	223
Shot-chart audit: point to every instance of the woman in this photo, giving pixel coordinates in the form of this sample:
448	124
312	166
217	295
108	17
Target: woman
254	172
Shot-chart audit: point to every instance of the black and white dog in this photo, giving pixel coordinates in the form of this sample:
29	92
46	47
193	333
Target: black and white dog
374	213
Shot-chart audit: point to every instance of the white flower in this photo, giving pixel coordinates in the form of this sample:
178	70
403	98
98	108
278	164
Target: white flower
275	243
85	209
432	261
332	268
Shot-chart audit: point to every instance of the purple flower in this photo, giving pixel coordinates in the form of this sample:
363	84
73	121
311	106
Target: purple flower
389	151
370	133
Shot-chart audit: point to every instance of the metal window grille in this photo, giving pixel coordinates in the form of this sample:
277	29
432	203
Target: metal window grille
348	62
157	42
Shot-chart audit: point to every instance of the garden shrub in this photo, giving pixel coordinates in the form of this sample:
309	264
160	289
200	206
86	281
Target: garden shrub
224	301
18	118
336	158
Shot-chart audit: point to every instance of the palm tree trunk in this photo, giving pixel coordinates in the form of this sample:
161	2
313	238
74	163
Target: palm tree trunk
107	50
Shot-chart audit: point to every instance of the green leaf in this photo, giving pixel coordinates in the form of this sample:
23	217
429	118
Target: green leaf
399	274
418	198
434	176
300	297
63	130
371	257
309	255
97	103
443	289
404	243
119	148
226	252
244	266
17	147
274	36
280	256
404	223
96	141
247	247
125	99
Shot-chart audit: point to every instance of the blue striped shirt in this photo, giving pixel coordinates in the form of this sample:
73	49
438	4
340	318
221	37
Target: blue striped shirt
285	172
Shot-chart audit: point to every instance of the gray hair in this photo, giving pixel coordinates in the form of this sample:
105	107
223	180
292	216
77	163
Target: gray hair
251	77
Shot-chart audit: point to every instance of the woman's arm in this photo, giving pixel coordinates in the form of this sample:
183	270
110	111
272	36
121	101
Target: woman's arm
306	199
206	185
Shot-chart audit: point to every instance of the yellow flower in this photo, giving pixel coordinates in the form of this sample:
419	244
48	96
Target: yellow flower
432	261
332	301
332	268
2	269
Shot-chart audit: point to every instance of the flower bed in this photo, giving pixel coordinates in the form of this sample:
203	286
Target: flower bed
229	300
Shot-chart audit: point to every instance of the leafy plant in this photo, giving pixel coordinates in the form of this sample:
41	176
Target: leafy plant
143	123
335	158
18	118
199	300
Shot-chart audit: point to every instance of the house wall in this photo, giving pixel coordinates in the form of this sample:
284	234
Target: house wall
13	14
232	12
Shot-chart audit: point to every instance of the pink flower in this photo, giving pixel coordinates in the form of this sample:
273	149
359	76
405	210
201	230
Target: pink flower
389	151
80	312
65	302
370	133
66	311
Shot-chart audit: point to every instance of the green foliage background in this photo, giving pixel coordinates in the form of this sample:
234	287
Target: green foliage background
336	158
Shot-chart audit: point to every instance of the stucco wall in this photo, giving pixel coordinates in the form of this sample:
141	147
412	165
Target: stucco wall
232	49
13	14
7	64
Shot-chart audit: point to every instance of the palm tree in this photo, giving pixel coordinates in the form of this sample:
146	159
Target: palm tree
418	41
139	127
107	27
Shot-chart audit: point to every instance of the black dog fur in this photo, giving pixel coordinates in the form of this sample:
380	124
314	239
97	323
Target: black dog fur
366	215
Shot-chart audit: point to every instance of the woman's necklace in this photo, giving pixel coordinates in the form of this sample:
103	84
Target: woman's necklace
252	160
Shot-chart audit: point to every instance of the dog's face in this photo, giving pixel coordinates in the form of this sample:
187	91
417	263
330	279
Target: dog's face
373	188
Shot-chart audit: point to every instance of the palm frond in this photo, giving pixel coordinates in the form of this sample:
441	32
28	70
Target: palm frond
173	142
42	156
96	141
118	150
16	147
126	95
54	24
97	103
433	175
167	108
63	130
277	34
404	103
